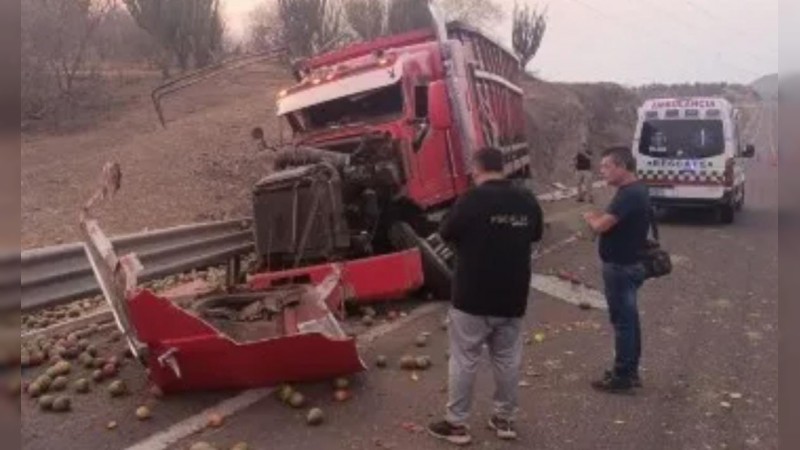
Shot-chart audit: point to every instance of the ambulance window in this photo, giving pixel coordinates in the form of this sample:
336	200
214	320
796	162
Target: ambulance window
692	113
685	139
672	113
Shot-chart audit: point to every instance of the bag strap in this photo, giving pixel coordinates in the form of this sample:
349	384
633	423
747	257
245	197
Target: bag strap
653	225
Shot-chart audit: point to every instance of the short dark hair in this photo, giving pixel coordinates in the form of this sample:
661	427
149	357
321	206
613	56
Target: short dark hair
622	157
489	159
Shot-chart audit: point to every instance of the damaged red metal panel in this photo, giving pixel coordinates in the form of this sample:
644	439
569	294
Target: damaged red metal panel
296	338
377	278
186	353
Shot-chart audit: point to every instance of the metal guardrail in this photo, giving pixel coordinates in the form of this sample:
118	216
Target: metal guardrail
55	275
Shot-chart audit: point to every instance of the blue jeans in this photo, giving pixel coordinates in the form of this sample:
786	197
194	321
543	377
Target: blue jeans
621	283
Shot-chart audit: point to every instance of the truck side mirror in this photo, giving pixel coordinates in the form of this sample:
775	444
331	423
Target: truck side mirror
749	151
439	106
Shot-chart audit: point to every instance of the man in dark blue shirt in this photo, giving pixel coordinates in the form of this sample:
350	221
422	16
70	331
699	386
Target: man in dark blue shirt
491	228
623	231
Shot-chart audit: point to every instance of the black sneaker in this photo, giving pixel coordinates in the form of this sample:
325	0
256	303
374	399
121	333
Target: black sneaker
635	380
614	385
455	434
504	428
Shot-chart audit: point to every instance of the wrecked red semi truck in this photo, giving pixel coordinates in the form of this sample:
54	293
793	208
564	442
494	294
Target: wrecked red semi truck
383	134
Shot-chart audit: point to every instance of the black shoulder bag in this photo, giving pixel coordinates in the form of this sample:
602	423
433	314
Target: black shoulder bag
656	260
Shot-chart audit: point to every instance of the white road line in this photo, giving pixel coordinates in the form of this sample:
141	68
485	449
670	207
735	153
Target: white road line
755	130
566	291
752	123
772	130
194	424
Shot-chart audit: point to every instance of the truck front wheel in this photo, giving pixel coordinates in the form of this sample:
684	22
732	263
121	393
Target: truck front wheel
438	274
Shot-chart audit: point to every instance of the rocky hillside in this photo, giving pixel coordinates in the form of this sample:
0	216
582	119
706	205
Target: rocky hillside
561	116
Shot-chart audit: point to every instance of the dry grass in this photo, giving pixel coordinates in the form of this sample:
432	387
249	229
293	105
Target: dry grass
199	168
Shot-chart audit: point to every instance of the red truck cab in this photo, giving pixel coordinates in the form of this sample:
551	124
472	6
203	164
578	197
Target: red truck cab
397	87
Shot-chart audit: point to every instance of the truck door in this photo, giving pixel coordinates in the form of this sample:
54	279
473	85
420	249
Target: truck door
433	150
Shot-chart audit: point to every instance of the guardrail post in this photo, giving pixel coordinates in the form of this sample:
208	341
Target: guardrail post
233	271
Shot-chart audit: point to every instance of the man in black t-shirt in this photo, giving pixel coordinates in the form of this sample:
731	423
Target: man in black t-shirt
492	229
623	231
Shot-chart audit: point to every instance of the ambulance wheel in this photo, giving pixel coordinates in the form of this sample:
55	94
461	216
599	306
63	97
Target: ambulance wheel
740	202
437	274
727	213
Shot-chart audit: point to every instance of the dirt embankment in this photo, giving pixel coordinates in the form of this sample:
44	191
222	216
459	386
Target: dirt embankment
204	164
562	116
201	167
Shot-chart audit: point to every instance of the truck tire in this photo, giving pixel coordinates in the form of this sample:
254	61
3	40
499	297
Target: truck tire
438	274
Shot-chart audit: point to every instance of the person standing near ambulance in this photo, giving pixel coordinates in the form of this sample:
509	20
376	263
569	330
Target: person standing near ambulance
623	229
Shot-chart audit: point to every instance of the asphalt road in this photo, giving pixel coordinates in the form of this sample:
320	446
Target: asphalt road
710	360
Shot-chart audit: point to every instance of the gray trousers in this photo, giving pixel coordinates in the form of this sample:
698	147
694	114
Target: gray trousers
503	338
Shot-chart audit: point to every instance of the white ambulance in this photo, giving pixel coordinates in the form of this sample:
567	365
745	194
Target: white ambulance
690	153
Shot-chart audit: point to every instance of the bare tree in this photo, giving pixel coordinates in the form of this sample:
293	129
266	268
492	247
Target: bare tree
119	38
311	26
478	13
206	32
265	28
527	32
184	29
57	50
366	17
407	15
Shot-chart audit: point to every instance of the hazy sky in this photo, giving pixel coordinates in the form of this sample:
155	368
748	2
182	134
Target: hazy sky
641	41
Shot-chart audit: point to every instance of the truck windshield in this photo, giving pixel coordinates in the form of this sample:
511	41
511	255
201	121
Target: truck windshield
371	106
682	138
